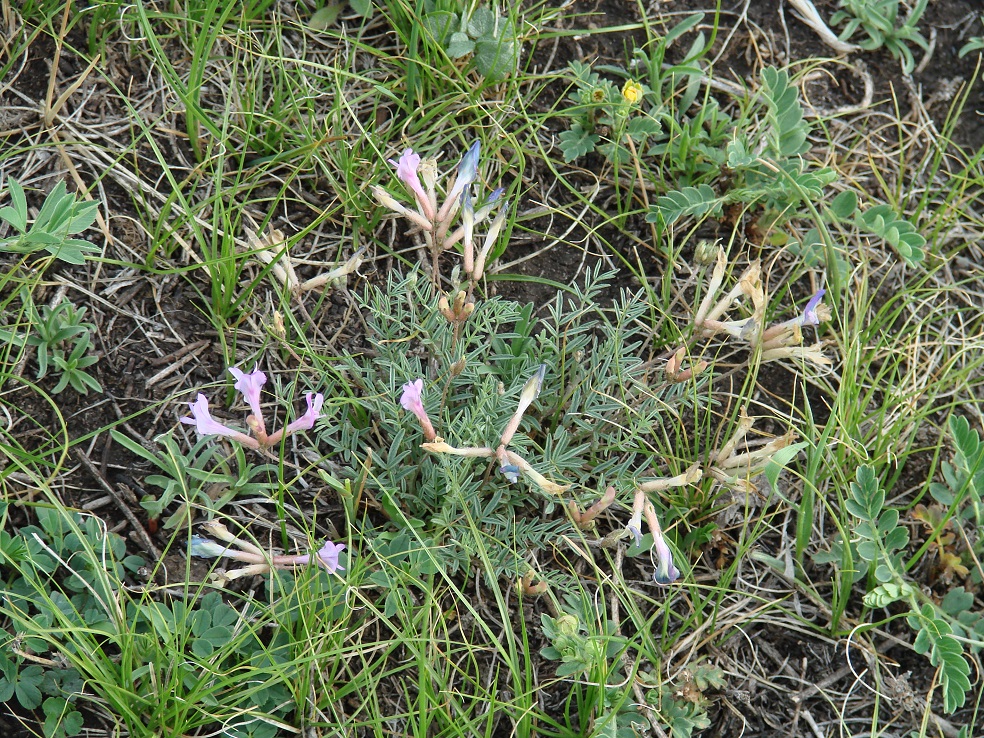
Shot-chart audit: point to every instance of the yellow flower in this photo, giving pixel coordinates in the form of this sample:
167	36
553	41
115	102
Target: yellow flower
632	92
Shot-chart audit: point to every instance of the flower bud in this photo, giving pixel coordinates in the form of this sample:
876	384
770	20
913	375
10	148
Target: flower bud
445	308
568	625
705	253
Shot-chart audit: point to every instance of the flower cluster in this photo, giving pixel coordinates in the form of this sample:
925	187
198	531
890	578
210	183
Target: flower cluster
780	341
511	464
434	221
666	572
258	560
734	468
270	248
250	386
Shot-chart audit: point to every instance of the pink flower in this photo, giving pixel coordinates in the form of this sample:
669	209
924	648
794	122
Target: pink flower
406	170
411	397
306	421
328	556
411	400
250	385
208	426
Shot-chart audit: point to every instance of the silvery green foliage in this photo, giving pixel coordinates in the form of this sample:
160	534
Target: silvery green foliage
584	429
62	342
487	36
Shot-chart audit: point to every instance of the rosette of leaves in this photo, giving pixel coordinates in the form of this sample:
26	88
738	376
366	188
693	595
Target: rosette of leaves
488	37
63	342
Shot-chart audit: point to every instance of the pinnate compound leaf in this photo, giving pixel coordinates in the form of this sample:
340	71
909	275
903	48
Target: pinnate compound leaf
935	637
789	130
899	233
689	201
844	205
957	601
954	673
885	594
867	497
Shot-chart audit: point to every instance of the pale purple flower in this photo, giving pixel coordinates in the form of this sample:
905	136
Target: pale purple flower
328	556
467	171
260	561
468	166
510	472
406	170
634	526
810	316
411	397
530	391
306	421
483	212
206	548
250	385
411	400
207	426
468	228
666	572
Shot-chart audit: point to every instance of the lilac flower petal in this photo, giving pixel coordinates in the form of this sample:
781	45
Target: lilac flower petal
810	316
205	548
307	420
510	472
636	533
495	195
467	172
468	167
207	426
203	421
666	572
411	397
328	556
250	385
411	400
406	170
